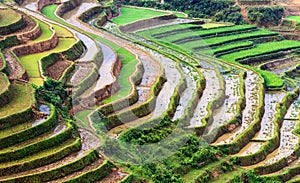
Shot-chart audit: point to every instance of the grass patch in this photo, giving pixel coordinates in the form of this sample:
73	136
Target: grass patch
180	15
232	46
265	48
46	32
23	99
128	67
4	83
297	18
61	31
272	80
8	16
129	15
200	32
81	118
227	39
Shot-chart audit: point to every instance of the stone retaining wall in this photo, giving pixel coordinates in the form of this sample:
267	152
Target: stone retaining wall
30	35
36	47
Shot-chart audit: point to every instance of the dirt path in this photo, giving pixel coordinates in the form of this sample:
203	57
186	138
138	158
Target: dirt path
15	68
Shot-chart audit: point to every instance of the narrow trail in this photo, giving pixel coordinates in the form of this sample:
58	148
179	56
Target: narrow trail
15	68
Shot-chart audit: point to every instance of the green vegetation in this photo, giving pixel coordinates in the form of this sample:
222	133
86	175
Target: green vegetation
31	62
272	80
61	31
232	43
128	67
188	157
264	48
265	16
215	41
46	32
232	46
128	60
197	9
8	17
231	14
200	33
129	15
53	92
297	18
4	83
18	104
179	14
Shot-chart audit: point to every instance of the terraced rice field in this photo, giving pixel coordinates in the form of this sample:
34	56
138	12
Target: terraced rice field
10	17
189	101
297	18
129	15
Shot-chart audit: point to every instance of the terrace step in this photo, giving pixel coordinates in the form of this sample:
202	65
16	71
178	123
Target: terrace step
232	103
16	70
216	42
29	26
36	144
86	68
40	159
190	95
108	72
89	142
15	21
17	111
86	170
174	78
251	113
267	126
47	40
213	90
6	94
149	87
279	66
215	32
24	131
288	145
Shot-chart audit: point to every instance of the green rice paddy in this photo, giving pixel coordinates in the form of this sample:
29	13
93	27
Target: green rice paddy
129	15
297	18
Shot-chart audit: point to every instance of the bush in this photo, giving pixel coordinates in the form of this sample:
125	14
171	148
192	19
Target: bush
265	16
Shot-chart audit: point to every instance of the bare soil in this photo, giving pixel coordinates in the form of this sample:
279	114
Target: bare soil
56	70
15	69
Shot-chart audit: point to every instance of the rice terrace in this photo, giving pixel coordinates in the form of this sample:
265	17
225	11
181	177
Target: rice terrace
138	91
